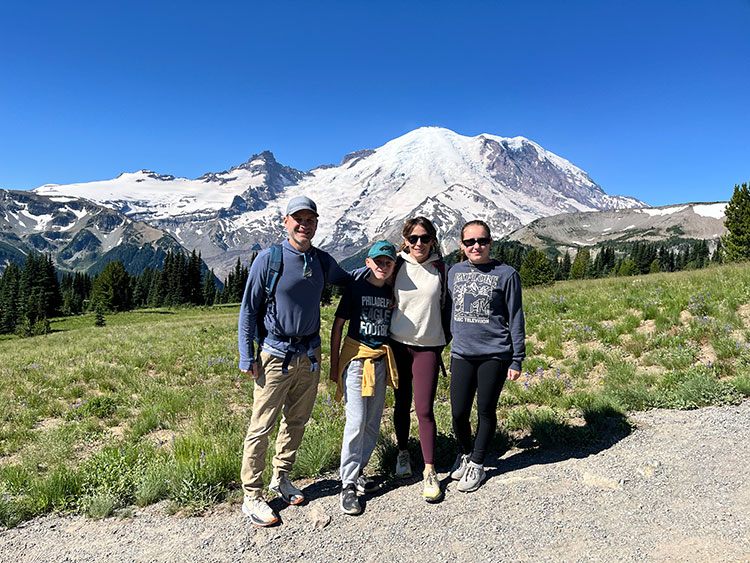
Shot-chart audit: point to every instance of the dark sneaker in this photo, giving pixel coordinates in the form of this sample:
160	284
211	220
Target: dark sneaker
283	487
259	512
431	491
459	467
349	501
472	478
403	465
365	485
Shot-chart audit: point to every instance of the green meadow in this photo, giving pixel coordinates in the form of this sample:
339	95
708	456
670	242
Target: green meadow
151	407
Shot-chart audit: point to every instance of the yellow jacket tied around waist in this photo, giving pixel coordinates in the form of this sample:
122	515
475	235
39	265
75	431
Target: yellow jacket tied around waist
353	350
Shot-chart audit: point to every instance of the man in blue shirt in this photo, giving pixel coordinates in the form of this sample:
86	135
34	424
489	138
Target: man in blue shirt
286	369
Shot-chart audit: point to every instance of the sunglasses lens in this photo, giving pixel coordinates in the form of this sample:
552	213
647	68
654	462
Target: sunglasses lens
484	241
414	238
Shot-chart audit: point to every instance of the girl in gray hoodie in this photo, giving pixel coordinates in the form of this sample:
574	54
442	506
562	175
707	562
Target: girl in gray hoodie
488	346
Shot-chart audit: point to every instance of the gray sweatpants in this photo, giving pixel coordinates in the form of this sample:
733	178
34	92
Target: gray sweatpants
362	419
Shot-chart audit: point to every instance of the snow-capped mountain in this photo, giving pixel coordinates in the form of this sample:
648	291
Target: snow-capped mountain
80	235
571	231
431	171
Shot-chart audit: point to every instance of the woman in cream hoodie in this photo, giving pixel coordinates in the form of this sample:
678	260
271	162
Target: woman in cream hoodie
417	339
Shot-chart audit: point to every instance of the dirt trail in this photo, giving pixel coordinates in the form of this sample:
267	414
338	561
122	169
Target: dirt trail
676	489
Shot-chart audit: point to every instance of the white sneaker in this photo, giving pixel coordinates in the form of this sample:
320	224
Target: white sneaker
283	487
403	465
459	467
472	478
259	512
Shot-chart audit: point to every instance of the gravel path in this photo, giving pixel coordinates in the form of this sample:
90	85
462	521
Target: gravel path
676	489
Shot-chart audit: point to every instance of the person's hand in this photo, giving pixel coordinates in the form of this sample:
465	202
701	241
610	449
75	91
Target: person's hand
252	372
513	374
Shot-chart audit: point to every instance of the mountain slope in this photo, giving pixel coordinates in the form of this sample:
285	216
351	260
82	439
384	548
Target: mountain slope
570	231
80	235
431	171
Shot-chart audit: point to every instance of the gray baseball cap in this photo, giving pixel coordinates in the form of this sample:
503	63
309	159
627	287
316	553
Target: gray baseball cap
299	203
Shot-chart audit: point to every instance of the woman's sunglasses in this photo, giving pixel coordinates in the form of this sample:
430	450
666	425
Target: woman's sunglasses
484	241
412	239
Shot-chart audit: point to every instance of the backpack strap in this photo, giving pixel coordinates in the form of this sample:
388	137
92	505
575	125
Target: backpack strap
273	270
441	268
440	265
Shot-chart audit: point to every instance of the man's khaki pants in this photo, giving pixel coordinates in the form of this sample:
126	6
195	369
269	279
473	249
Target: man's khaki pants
293	395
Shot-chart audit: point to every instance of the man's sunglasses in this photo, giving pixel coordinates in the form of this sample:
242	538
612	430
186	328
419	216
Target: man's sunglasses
484	241
414	238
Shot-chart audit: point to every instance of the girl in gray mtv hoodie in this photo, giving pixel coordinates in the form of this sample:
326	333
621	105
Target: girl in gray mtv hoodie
487	324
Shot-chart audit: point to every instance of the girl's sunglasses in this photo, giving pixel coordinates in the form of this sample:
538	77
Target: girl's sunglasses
484	241
412	239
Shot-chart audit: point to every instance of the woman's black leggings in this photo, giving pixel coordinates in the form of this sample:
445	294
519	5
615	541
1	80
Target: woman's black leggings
485	379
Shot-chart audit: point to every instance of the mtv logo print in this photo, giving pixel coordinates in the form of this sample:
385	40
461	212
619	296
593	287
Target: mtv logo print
472	292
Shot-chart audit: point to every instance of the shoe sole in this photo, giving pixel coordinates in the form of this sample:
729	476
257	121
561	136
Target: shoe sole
255	521
286	499
364	491
474	488
352	512
433	500
404	475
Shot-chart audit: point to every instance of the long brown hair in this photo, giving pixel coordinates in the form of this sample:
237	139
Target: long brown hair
427	225
478	223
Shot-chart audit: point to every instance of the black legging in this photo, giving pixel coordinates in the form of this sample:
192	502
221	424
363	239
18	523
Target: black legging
485	379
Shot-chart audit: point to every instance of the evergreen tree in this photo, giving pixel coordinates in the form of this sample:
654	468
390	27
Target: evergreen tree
99	317
75	289
628	267
536	269
195	279
142	287
111	291
580	267
499	253
736	242
157	291
9	285
39	290
654	267
718	255
209	288
566	264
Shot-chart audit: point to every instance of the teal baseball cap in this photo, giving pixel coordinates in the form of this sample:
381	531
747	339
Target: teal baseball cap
382	248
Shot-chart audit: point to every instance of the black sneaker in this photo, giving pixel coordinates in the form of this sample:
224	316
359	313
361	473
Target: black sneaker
349	501
365	485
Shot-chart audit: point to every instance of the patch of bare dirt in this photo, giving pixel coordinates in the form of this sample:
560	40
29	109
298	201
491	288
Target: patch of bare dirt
162	438
685	318
647	327
707	354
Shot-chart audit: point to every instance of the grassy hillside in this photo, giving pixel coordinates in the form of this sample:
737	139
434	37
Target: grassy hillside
152	406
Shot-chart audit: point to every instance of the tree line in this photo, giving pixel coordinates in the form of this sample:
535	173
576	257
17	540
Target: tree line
34	292
636	258
625	259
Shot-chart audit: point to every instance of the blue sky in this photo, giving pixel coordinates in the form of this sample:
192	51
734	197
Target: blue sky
651	98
